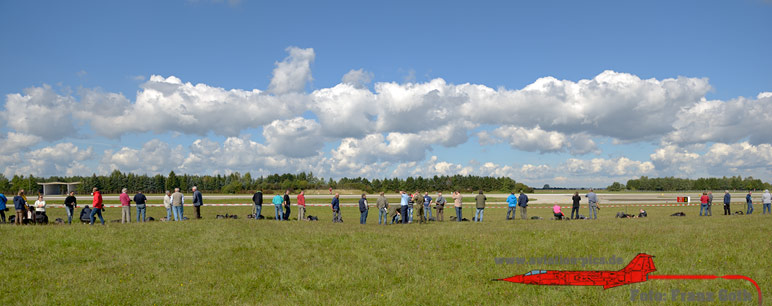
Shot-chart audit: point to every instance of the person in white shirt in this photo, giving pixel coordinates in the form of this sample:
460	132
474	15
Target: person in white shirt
40	209
40	205
168	205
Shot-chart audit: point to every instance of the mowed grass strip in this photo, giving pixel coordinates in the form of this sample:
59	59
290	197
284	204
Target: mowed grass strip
243	261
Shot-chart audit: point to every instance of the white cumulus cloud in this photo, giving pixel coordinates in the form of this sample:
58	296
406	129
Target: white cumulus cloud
292	74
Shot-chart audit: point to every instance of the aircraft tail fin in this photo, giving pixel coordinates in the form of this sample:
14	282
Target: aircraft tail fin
641	263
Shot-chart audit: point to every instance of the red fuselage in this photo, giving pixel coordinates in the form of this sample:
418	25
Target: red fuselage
635	272
607	279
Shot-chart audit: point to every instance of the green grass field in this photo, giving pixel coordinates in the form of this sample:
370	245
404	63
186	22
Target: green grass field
244	261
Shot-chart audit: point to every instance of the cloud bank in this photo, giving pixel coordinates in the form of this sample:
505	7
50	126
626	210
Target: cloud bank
360	128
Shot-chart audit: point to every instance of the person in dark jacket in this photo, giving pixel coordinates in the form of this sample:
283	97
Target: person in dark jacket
750	203
336	208
522	201
257	198
70	203
479	200
575	207
198	201
727	200
20	205
141	202
287	205
363	209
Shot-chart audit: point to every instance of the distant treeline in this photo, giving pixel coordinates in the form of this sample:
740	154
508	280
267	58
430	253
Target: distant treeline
238	183
677	184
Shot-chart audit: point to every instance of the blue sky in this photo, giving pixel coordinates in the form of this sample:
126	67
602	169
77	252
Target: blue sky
719	48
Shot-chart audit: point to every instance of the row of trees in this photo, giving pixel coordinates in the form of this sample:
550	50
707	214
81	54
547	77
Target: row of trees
238	183
677	184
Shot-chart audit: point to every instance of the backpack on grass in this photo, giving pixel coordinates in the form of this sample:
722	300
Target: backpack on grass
85	214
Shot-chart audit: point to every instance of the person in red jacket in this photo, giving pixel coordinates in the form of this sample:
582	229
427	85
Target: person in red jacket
98	207
301	206
704	199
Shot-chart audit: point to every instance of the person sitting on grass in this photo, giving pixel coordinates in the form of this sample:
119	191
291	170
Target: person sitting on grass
556	211
397	218
393	212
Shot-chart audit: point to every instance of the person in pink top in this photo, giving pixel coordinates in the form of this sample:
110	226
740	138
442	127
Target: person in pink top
556	210
125	204
301	205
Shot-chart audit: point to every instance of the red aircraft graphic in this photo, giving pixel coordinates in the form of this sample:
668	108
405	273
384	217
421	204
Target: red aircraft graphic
635	272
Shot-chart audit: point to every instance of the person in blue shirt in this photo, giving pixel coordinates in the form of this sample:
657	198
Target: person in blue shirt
592	200
336	217
427	204
403	202
512	205
3	201
750	203
522	201
277	201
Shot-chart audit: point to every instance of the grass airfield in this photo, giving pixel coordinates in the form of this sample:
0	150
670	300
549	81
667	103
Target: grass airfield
215	261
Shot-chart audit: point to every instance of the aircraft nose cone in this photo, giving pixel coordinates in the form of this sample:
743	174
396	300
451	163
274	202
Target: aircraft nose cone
514	279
